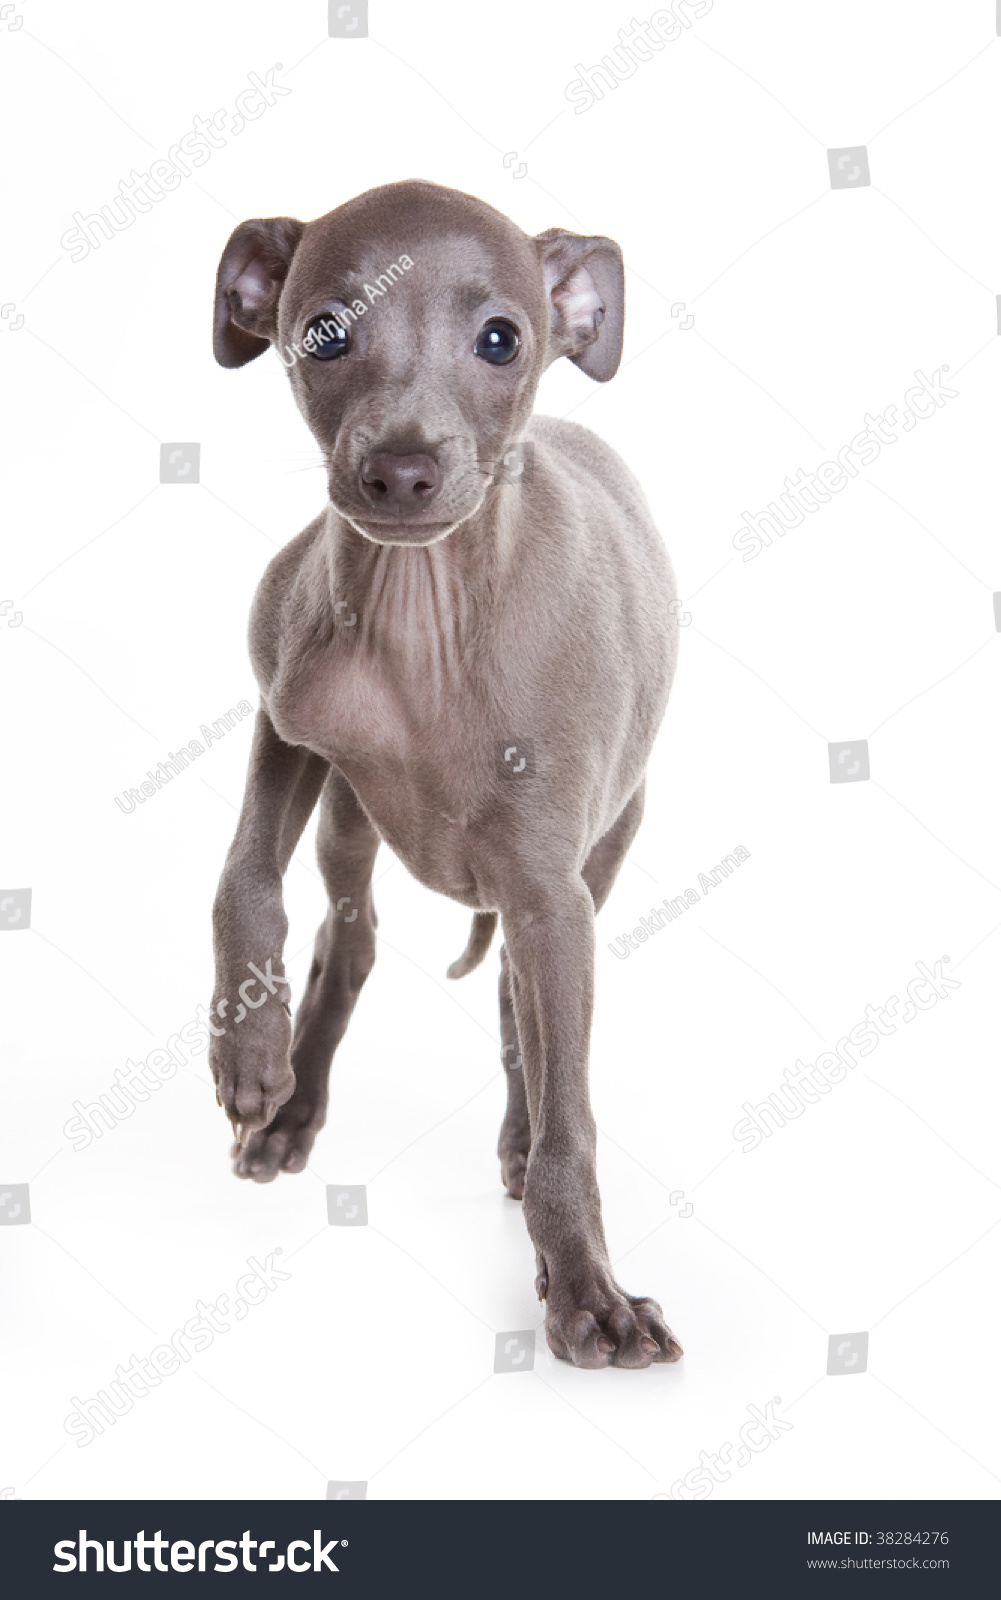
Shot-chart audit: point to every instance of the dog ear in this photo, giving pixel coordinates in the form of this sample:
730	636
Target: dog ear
585	287
248	285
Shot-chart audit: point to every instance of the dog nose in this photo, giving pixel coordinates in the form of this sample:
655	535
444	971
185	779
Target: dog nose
401	485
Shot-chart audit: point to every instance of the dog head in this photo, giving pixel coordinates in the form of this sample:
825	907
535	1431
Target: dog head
415	322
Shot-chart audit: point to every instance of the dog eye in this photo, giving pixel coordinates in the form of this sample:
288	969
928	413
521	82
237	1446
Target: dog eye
325	339
497	342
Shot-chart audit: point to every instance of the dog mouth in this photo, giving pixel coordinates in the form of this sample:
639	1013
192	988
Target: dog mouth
407	498
415	531
412	519
408	531
424	526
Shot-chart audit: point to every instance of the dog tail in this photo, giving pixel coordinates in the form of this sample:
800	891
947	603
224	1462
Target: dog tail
480	935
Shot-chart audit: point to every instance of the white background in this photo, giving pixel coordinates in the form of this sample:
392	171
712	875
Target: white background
873	1211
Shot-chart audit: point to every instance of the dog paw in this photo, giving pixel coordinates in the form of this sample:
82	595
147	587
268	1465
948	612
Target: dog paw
280	1147
251	1067
628	1332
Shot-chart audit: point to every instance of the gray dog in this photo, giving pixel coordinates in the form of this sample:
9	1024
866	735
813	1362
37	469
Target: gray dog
467	654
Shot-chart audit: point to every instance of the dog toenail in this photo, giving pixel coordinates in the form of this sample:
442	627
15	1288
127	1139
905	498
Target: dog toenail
605	1346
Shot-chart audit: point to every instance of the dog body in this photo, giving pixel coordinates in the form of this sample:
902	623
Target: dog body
466	664
458	650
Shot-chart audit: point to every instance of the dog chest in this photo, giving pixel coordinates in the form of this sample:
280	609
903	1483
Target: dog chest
345	709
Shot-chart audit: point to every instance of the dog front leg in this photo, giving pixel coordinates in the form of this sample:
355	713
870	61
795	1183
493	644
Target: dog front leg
249	1020
590	1320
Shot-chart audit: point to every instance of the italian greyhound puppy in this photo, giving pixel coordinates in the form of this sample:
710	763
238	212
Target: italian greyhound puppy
467	655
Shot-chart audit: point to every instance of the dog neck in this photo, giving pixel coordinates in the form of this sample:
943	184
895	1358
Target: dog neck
421	608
